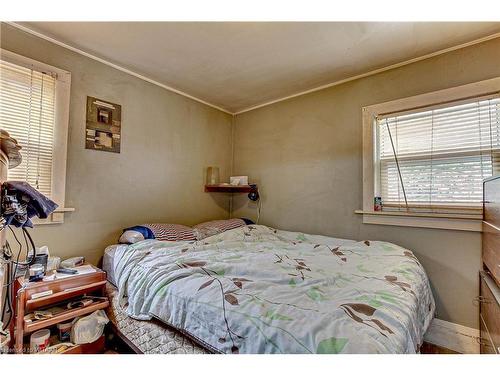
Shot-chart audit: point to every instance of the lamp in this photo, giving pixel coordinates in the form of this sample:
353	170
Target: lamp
254	193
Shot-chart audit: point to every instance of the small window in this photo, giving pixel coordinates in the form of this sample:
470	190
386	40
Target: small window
27	100
34	109
425	157
434	159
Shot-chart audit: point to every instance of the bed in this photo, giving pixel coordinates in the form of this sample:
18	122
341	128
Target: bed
142	336
255	289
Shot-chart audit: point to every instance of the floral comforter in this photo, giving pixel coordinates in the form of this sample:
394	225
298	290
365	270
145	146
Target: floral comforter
255	289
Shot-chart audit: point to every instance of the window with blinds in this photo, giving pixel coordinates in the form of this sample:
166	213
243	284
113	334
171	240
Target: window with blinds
27	112
436	158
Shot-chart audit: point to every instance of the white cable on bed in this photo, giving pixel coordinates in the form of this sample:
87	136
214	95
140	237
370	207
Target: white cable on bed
259	205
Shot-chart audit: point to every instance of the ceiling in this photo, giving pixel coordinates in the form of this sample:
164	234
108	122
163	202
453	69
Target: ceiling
239	65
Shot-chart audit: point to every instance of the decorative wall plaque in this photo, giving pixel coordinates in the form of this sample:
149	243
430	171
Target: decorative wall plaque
103	131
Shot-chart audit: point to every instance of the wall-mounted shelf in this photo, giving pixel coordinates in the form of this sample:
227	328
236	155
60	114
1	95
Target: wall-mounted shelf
230	188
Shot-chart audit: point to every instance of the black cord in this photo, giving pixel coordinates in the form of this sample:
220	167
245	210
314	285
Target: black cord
6	295
12	276
8	301
397	164
26	243
25	232
16	262
31	260
15	237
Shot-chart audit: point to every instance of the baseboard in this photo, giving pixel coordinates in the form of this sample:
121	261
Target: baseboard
453	336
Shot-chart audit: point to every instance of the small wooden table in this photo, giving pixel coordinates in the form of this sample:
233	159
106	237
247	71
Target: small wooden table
63	289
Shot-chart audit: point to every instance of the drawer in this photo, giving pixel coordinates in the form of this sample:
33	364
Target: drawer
490	308
491	249
486	345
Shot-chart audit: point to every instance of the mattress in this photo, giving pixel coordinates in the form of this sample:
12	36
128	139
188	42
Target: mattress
150	337
107	262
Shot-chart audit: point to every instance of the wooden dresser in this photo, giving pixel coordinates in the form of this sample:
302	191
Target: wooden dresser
489	296
63	290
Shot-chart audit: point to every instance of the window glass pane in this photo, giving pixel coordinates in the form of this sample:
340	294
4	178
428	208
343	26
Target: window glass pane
443	180
27	112
443	154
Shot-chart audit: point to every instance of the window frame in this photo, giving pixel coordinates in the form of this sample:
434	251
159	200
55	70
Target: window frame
61	126
459	221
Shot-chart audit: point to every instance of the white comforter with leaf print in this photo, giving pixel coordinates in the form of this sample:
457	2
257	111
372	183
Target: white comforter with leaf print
255	289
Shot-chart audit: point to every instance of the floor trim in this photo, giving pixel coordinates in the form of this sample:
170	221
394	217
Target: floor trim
453	336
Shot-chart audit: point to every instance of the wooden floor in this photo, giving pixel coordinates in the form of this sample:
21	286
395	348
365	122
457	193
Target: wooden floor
428	348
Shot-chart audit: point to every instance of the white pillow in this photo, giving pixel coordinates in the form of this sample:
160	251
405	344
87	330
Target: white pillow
131	236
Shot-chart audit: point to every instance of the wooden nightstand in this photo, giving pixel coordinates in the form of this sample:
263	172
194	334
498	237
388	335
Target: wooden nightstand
63	290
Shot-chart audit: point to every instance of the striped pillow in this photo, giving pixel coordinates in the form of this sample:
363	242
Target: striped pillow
161	232
178	232
214	227
171	232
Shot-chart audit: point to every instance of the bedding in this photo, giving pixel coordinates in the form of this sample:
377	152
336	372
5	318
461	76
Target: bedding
109	254
153	336
107	261
149	337
255	289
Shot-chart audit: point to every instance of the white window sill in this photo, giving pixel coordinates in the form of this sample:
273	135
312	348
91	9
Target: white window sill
57	217
462	222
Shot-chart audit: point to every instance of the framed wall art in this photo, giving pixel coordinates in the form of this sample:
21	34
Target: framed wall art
103	130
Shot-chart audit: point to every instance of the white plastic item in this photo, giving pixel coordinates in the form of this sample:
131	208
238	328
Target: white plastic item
238	180
131	236
4	344
64	331
72	262
36	270
39	340
43	250
88	328
53	263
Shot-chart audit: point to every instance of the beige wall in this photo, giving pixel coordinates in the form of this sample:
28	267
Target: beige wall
167	141
306	155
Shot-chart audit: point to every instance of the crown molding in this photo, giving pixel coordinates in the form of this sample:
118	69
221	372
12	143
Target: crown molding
113	65
264	104
372	72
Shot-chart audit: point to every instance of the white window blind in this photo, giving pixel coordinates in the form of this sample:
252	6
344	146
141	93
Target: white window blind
27	112
444	153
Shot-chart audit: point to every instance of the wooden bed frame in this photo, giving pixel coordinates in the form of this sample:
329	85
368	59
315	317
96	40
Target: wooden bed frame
489	296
